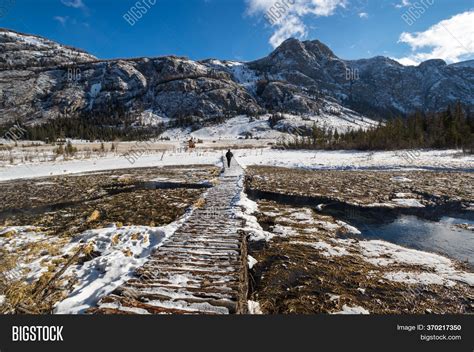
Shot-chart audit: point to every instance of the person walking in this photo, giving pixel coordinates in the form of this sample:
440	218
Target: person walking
229	157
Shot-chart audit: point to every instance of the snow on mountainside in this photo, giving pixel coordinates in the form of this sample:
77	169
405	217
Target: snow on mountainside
240	72
303	79
20	50
241	127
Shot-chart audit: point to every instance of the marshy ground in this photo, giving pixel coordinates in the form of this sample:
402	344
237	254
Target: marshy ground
366	188
69	204
39	217
313	262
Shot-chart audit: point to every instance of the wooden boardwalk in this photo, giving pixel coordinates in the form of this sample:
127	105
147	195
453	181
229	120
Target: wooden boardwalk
201	269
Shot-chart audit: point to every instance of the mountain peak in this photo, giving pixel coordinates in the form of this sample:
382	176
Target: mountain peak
316	48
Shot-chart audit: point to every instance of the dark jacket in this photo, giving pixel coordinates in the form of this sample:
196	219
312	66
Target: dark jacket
229	155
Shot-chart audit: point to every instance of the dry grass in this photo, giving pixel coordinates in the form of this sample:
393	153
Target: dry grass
94	216
25	296
200	203
115	239
364	187
8	234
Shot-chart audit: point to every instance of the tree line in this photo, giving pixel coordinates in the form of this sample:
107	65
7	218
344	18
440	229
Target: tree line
90	128
452	128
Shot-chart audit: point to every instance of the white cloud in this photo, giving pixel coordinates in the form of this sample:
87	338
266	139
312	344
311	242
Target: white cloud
61	19
77	4
451	40
404	3
289	15
292	26
364	15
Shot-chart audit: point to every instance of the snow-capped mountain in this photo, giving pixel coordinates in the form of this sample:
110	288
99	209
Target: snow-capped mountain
41	80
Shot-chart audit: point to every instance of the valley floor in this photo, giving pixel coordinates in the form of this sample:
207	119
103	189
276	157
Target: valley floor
248	153
74	230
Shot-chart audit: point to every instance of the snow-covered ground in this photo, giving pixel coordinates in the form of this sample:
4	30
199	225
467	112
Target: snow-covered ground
347	310
119	252
42	43
247	209
110	162
29	265
238	127
240	71
241	126
343	121
254	307
149	118
122	251
353	160
316	160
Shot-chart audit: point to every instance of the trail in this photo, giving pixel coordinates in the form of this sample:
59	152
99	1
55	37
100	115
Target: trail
201	269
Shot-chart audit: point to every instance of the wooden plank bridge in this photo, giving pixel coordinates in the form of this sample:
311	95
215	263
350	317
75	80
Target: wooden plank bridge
200	269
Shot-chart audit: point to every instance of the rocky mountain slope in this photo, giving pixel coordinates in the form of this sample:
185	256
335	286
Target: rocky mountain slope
373	86
41	80
22	51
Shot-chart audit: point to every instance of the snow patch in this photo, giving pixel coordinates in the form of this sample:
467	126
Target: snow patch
400	179
251	261
17	238
283	231
327	249
117	306
415	278
408	203
303	216
189	307
149	118
334	298
349	229
352	310
327	225
246	210
179	279
383	253
254	307
355	160
95	90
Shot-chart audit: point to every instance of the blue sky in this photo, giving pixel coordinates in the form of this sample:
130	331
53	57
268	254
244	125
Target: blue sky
238	30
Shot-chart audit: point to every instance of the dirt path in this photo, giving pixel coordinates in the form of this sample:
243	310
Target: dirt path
201	269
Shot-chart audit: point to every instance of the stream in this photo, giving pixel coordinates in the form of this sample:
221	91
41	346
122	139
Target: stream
444	229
